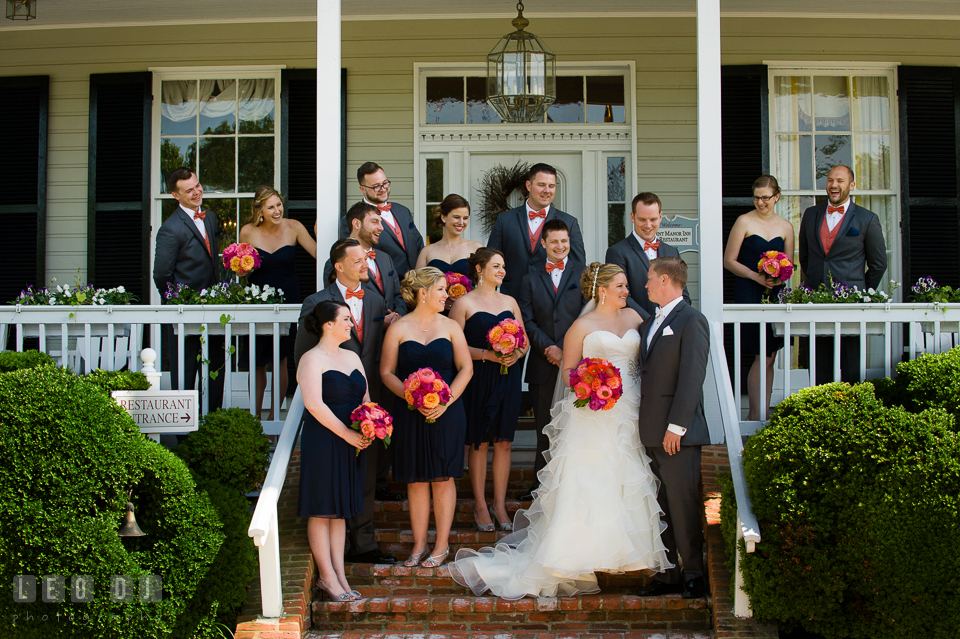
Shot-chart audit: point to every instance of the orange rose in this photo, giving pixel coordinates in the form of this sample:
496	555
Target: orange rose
246	263
235	264
457	291
614	382
495	333
438	385
431	400
413	384
510	327
408	397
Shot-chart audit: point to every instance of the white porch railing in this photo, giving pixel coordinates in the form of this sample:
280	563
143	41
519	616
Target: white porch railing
890	329
109	337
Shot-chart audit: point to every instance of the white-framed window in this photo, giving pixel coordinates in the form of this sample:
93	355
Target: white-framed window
224	123
821	116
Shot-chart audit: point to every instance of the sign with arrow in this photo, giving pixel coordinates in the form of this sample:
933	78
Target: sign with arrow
157	411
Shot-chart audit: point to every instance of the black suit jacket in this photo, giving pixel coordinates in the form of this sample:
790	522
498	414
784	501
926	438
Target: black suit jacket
630	256
369	351
672	371
547	314
859	244
511	234
181	254
404	257
391	282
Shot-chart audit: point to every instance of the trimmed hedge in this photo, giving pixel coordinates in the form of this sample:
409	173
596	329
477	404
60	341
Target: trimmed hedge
71	457
118	380
859	506
228	447
930	381
13	361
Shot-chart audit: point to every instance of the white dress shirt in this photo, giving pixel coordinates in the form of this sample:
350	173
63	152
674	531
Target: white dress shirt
196	220
651	253
673	428
556	273
835	218
387	215
355	303
535	223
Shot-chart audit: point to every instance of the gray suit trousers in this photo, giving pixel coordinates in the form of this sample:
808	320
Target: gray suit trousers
679	498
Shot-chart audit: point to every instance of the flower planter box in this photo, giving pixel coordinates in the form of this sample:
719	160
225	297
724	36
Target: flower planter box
236	328
945	327
802	329
73	330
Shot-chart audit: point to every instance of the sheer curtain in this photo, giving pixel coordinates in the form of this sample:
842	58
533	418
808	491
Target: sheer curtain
218	98
871	114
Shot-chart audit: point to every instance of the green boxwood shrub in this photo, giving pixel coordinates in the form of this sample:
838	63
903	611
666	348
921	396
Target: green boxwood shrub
14	361
71	457
228	447
118	380
930	381
859	507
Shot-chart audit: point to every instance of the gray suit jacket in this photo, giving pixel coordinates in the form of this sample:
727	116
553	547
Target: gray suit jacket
547	314
181	254
859	244
511	235
630	256
672	371
391	282
404	257
369	351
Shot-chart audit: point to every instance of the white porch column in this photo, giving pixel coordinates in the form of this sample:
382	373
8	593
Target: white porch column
328	129
709	185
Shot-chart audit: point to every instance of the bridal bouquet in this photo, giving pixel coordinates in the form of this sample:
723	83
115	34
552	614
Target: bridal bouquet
596	383
373	423
506	337
775	265
242	259
425	389
458	285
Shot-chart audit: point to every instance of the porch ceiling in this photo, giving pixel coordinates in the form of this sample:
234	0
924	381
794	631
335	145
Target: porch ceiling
71	13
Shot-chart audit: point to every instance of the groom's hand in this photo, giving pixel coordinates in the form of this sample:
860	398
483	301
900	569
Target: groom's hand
671	443
553	354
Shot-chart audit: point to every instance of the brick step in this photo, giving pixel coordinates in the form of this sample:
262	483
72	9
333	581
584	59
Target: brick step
617	612
521	477
396	514
399	542
400	581
660	633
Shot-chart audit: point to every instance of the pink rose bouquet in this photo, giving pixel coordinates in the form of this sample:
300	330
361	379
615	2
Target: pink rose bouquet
458	285
506	337
425	389
373	423
596	383
775	265
242	259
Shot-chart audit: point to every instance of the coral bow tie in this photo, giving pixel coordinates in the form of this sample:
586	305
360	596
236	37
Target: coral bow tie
535	214
834	209
371	254
551	266
384	207
651	245
356	294
200	215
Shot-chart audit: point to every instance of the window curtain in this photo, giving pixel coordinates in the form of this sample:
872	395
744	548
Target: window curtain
871	112
218	98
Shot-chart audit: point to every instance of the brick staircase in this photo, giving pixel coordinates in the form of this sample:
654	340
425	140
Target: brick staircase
425	602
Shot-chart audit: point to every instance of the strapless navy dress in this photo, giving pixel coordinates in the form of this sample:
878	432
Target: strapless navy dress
332	475
460	266
750	292
491	400
421	451
279	270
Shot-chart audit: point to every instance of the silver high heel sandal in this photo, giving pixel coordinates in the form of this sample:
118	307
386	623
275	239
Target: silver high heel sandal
436	560
483	527
508	527
345	596
415	558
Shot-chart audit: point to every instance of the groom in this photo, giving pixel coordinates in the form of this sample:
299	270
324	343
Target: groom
673	363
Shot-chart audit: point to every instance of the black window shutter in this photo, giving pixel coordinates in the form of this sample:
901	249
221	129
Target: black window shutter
23	163
118	182
929	102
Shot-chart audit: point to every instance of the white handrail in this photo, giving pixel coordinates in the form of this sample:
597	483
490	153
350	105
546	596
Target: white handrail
264	527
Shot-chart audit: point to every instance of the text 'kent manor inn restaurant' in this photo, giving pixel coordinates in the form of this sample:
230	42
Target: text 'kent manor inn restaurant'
691	100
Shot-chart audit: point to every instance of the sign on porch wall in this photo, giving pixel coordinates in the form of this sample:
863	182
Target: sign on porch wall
683	233
157	411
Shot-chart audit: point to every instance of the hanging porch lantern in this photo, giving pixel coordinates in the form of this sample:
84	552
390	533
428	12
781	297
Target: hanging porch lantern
521	74
21	9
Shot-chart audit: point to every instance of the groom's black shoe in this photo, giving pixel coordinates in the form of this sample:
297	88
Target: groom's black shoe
657	588
528	496
694	589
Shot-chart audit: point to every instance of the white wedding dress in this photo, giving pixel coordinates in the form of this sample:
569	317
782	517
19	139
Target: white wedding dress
596	509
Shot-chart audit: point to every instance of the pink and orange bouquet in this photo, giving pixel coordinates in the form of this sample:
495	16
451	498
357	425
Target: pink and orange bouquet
596	383
458	284
425	389
506	337
241	259
373	423
775	265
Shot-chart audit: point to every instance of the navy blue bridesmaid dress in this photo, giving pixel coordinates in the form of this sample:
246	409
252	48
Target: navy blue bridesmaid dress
491	400
279	270
749	292
460	266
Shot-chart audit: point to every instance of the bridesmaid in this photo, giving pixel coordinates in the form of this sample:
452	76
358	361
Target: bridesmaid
753	234
427	455
450	253
491	400
332	475
275	237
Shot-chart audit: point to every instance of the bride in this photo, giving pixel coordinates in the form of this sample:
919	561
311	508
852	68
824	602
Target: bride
596	509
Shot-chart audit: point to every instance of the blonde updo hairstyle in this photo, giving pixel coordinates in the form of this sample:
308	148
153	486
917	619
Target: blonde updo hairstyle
595	277
260	198
416	280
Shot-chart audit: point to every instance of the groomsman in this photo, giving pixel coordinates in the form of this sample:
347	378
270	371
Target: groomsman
838	239
366	227
367	310
633	254
516	233
674	344
549	301
401	240
187	252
